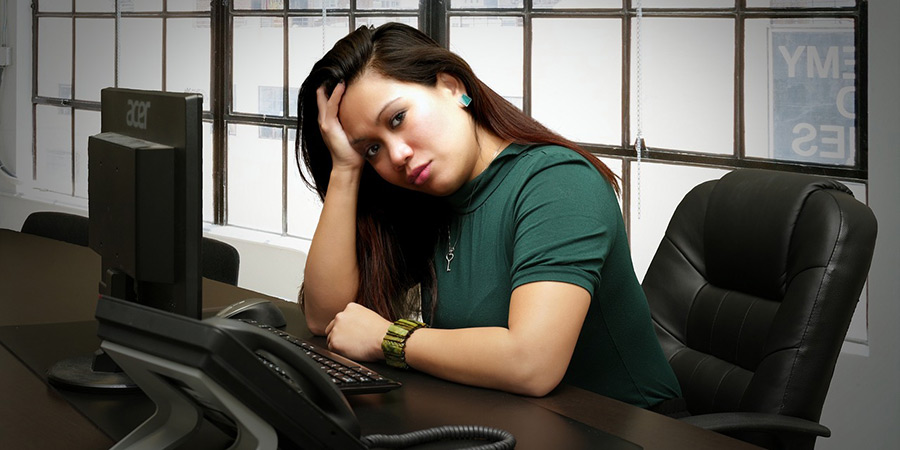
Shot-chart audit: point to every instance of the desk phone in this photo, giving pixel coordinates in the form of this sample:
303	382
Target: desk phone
253	384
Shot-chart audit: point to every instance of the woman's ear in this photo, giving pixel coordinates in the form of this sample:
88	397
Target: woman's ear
451	85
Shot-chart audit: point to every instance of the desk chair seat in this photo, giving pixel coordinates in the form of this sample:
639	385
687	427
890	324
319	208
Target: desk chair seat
220	260
751	292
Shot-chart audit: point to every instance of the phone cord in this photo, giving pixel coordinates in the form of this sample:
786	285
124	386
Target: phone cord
502	439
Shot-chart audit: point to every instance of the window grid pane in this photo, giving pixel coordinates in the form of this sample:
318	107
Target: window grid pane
258	55
800	104
53	144
254	178
688	84
492	46
589	66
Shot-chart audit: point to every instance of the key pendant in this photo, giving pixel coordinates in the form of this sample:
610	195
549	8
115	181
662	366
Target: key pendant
449	258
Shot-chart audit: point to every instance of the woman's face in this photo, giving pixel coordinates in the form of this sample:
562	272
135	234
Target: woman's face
416	137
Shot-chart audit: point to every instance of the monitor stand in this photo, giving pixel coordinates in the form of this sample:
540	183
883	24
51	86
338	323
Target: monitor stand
96	372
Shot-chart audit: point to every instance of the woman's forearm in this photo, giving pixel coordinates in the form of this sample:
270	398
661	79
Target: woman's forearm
530	357
331	276
485	357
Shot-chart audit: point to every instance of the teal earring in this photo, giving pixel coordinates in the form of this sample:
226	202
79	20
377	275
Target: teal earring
465	100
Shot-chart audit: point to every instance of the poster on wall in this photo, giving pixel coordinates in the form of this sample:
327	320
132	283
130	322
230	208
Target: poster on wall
812	95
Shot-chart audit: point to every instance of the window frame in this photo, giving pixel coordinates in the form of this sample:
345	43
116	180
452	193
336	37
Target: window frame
434	17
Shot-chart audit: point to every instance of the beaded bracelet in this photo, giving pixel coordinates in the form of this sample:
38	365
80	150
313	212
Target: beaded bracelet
394	343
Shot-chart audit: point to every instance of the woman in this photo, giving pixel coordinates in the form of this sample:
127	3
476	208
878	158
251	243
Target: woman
436	187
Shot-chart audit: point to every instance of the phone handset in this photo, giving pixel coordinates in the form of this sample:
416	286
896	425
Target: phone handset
301	372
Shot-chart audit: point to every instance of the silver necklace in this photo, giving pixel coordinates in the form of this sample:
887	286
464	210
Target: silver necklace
451	246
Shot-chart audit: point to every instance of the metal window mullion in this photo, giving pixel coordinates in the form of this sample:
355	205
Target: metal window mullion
527	53
285	113
34	88
165	23
739	63
860	26
219	23
72	111
626	78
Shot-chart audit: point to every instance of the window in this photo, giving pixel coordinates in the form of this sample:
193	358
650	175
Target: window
711	85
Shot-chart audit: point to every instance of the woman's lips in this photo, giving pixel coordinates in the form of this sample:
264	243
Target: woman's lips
419	175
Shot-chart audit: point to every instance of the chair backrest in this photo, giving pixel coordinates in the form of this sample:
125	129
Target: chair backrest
220	261
753	287
64	227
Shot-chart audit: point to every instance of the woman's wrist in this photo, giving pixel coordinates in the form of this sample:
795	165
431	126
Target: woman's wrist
345	174
394	343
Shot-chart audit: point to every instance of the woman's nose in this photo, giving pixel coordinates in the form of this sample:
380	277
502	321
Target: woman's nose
400	154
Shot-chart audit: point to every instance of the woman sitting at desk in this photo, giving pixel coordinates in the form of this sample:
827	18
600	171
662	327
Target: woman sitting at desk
435	187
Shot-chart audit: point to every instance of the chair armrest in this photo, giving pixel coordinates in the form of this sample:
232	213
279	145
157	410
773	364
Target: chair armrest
754	422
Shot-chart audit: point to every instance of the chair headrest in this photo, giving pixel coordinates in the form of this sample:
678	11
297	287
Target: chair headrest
753	213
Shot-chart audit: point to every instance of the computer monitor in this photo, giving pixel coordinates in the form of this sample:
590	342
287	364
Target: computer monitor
145	214
144	198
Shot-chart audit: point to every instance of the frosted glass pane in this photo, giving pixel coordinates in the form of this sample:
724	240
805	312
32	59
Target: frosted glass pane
477	4
800	96
688	84
187	5
54	54
140	5
576	78
493	47
254	177
581	4
95	52
140	58
616	165
53	144
258	47
303	204
308	41
686	3
308	4
94	5
208	213
188	53
87	123
800	3
388	4
376	21
55	6
656	190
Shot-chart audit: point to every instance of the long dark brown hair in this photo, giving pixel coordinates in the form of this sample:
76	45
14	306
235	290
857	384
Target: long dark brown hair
397	229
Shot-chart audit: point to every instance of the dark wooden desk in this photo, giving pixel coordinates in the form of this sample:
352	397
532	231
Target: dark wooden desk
49	289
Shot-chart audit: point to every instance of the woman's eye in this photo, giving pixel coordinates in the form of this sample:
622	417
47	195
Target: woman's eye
398	119
372	150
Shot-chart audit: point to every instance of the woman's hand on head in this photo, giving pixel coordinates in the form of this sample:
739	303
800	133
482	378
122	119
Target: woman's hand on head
357	332
343	155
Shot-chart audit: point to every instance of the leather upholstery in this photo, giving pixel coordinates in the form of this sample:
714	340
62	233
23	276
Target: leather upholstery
753	287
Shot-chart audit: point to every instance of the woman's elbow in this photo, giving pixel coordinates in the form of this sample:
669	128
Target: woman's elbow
316	325
537	381
316	328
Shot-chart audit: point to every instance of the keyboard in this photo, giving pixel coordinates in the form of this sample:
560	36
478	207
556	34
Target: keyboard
350	377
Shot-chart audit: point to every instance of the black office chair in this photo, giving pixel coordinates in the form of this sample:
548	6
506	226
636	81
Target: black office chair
64	227
751	292
221	261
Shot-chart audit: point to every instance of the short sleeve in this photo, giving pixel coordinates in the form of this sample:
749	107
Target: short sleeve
566	217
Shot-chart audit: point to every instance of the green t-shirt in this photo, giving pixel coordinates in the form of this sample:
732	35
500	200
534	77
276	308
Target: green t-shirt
544	213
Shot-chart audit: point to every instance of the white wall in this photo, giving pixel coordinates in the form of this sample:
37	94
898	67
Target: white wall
863	405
